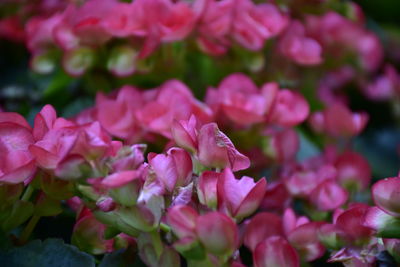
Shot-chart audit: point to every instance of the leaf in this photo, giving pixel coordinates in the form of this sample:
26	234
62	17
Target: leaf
121	258
51	252
20	212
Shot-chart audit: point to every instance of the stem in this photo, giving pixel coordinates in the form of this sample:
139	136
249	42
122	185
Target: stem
26	233
28	193
156	241
165	227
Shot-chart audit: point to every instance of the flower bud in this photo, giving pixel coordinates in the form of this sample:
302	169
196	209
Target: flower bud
275	251
77	61
217	232
386	195
122	61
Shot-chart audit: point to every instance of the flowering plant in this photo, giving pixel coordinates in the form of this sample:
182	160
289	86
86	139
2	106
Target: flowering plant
222	133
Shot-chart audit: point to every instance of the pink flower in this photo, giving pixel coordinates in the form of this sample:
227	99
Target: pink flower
207	188
117	115
182	220
240	99
275	251
126	19
282	146
351	221
88	234
305	239
16	162
295	45
253	24
386	195
256	230
339	35
290	109
214	26
217	232
173	100
353	170
240	197
384	86
173	169
328	195
216	150
337	120
185	133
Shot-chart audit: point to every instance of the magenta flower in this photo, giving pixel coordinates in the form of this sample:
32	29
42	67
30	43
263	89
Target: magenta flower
173	169
386	195
17	164
300	48
217	150
185	133
256	230
117	115
207	188
275	251
218	233
238	98
328	195
240	197
290	109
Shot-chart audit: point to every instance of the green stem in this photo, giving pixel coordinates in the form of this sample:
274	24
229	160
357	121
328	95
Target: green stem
28	193
165	227
26	233
156	241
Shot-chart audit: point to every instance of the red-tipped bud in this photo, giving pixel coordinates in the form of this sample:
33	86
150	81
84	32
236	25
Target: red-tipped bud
241	197
275	251
217	232
217	150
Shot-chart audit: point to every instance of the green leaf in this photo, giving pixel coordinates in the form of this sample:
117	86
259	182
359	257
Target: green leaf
20	212
51	252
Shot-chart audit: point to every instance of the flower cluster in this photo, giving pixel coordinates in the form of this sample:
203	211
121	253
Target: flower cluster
188	195
133	31
154	170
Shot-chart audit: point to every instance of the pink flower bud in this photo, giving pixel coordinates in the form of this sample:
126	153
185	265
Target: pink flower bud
117	115
217	150
173	169
275	251
88	235
73	167
384	224
240	197
257	231
124	187
328	195
386	195
185	133
340	121
351	221
122	61
106	204
305	239
44	122
332	236
283	145
76	62
18	164
295	45
207	188
290	109
240	99
182	220
353	170
217	232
